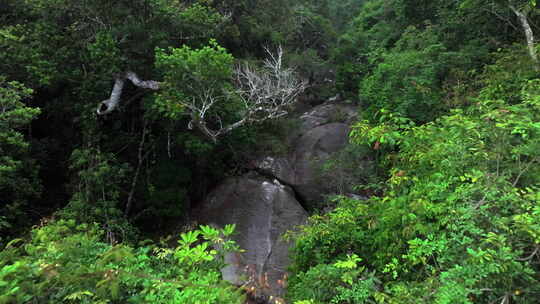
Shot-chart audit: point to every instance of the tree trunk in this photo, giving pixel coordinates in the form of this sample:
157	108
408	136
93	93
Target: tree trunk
107	106
528	34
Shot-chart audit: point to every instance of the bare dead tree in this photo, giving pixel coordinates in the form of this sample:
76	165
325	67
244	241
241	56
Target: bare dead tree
266	93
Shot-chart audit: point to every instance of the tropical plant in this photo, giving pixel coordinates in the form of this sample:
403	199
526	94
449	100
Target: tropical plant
66	262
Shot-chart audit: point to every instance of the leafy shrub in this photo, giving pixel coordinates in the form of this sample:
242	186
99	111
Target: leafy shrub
65	263
341	282
193	74
346	169
406	80
457	221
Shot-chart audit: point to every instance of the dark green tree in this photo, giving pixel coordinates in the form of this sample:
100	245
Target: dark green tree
18	172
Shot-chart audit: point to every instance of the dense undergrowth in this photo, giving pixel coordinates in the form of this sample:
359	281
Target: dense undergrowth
456	130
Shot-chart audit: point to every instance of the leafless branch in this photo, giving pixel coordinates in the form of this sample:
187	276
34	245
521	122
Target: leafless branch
266	93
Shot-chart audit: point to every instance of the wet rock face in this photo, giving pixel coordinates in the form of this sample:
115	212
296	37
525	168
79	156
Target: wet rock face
263	210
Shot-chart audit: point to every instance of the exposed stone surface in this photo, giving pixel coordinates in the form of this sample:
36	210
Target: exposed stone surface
262	210
327	113
279	168
311	151
264	205
323	131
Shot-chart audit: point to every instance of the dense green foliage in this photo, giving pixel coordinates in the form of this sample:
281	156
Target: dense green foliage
18	180
457	223
455	129
449	101
193	74
68	263
100	184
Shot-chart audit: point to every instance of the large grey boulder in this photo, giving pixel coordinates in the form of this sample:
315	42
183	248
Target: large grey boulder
280	168
262	209
311	152
323	131
327	113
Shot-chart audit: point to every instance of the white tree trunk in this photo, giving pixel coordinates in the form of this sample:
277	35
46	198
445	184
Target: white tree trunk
107	106
528	34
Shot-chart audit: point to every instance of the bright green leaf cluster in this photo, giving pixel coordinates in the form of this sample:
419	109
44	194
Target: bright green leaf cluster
68	263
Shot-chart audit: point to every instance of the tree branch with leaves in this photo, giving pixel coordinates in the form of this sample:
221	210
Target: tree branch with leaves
217	97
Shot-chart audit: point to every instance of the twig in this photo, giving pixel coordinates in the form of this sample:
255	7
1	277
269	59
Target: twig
136	176
523	171
537	248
